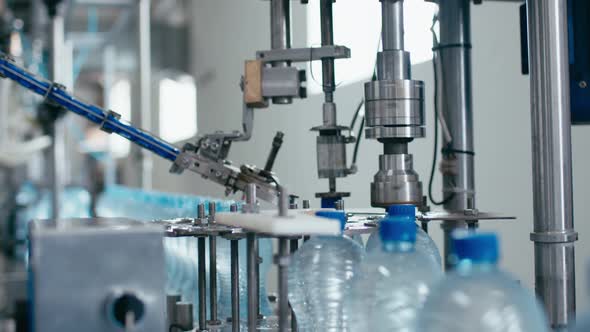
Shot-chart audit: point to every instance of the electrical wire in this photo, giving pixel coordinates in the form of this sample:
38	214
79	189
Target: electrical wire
358	141
356	114
435	58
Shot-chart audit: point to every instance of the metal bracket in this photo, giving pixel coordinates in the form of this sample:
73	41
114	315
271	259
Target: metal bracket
464	215
208	159
304	54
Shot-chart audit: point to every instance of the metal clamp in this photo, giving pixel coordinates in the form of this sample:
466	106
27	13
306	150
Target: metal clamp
555	237
110	114
52	86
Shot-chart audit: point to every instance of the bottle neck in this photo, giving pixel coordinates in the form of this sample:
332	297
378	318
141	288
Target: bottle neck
398	246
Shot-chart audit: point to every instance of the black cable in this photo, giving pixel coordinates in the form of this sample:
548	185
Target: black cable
356	114
448	147
358	141
336	85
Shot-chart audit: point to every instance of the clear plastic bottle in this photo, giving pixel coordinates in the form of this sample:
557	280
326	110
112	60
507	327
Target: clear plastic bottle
423	241
224	271
394	282
477	296
320	275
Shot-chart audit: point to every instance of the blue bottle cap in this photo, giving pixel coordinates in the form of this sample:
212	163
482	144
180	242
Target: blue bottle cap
338	215
402	210
392	230
476	247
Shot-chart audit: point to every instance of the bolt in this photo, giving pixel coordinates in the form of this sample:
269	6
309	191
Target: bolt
583	84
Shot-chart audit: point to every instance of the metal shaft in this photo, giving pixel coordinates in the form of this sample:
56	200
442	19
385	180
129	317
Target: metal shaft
456	105
277	142
251	205
251	267
392	24
171	301
212	267
280	34
554	233
142	114
235	286
327	32
257	276
280	22
202	280
55	153
293	246
283	257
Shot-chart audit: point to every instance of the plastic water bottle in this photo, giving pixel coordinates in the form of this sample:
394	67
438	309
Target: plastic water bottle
224	271
477	296
320	277
394	282
423	242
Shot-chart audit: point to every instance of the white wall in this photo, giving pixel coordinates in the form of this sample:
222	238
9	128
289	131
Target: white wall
226	32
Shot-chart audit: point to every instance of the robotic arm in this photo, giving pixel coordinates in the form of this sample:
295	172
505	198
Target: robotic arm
207	157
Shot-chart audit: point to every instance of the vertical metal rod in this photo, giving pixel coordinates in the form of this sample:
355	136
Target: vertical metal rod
392	24
55	153
554	233
327	32
235	286
201	213
212	269
202	280
332	184
280	24
251	264
280	34
109	72
171	301
283	201
456	105
251	205
142	112
257	271
293	246
282	261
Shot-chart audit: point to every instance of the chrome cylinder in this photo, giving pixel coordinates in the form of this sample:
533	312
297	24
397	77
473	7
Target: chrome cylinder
280	34
554	233
456	99
396	181
392	24
331	156
394	112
